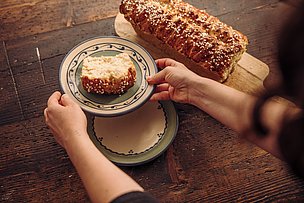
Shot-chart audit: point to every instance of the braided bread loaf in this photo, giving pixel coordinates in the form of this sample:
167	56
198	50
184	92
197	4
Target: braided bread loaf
200	41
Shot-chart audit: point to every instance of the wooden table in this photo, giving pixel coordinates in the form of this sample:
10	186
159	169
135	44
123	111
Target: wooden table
207	162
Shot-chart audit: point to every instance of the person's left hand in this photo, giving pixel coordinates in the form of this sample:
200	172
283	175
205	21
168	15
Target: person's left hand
65	118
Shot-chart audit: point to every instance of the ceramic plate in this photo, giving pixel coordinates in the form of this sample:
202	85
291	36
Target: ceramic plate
107	105
137	137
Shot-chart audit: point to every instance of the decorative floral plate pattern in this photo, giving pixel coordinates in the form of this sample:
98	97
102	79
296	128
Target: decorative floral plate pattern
107	105
137	137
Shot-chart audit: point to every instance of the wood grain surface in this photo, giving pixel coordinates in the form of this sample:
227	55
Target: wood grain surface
207	162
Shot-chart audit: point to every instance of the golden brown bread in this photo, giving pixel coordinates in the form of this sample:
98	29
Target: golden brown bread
108	74
200	41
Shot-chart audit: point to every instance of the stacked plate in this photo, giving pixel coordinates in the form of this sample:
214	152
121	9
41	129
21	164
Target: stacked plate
127	128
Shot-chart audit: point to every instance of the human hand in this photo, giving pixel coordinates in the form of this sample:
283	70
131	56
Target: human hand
65	118
174	81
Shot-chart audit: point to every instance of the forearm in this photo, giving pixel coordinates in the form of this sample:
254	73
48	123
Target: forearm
273	115
235	110
102	179
229	106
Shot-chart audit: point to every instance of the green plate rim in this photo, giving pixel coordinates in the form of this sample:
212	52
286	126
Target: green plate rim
154	152
130	105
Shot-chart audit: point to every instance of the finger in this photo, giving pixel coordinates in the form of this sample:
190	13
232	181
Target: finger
54	98
46	117
162	87
160	96
45	114
158	78
66	100
164	62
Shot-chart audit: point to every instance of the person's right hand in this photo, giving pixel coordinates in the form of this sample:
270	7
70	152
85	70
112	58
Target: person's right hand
65	118
173	82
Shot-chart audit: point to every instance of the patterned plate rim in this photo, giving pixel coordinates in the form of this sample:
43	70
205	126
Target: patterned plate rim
149	155
131	106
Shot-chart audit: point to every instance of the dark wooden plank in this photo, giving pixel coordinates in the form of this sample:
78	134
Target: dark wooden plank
30	74
219	167
207	167
33	167
222	7
261	33
206	163
25	18
33	92
10	108
23	50
211	164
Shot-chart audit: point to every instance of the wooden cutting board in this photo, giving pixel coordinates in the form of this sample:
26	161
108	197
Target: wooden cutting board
248	76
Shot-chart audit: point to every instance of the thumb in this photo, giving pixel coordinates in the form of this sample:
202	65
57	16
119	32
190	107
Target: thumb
158	78
66	100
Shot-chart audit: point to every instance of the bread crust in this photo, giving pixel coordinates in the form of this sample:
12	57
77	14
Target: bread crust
113	86
200	41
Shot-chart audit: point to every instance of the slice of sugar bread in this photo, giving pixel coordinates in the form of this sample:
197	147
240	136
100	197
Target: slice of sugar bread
108	74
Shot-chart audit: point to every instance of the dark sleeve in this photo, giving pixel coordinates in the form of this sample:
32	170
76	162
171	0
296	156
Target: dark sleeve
135	197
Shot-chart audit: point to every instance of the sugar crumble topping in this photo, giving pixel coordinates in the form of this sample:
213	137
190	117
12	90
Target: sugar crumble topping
105	67
203	37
